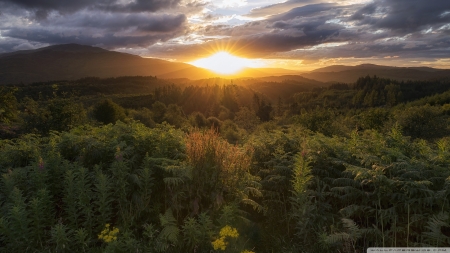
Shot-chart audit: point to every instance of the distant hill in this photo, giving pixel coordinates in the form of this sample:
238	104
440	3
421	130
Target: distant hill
73	61
349	74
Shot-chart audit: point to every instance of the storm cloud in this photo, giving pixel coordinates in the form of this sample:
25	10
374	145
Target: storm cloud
76	5
107	23
310	30
406	15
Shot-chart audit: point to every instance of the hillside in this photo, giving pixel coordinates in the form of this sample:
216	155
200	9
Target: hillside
349	74
73	61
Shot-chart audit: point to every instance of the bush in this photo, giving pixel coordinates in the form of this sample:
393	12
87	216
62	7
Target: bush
422	121
197	119
57	114
108	112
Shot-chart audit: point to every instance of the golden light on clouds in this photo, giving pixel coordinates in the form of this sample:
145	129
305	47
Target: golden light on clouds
225	63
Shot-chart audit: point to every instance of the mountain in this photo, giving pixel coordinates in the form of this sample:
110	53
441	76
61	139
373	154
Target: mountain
349	74
73	61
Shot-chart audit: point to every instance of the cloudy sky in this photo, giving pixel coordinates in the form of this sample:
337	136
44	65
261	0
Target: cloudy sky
295	34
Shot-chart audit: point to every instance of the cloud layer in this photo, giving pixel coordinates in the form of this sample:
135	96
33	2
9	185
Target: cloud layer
309	30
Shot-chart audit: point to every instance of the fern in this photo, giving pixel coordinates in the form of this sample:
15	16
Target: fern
81	237
84	197
351	234
70	199
192	232
170	231
41	216
103	198
146	175
434	236
61	238
18	226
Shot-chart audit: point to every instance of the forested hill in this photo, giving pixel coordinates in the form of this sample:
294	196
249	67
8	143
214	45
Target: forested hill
349	74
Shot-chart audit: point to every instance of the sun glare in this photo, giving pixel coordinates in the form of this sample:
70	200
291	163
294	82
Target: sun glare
223	63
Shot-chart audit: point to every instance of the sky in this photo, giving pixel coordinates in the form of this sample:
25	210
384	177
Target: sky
293	34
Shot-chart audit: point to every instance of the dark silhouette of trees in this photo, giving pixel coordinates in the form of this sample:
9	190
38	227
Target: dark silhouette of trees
108	112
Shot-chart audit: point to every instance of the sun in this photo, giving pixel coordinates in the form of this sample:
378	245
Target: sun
223	63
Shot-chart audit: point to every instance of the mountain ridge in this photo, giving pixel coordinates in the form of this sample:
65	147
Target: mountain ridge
74	61
350	74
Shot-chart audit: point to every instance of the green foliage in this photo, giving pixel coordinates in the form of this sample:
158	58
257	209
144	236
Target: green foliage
159	110
145	116
198	232
103	197
60	238
246	119
169	233
198	120
354	169
434	237
174	115
58	114
422	122
108	112
374	118
8	105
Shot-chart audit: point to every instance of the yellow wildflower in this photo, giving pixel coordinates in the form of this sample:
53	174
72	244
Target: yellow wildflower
225	232
219	244
247	251
229	231
108	234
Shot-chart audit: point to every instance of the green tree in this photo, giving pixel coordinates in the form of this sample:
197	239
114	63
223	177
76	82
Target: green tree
59	114
246	119
108	112
197	119
8	105
174	115
158	109
393	94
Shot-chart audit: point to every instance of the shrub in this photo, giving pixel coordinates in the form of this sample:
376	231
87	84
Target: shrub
108	112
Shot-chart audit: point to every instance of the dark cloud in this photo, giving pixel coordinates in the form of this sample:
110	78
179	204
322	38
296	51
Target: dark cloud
100	22
307	11
48	5
107	30
295	29
119	22
319	31
164	23
139	5
42	8
366	10
107	40
11	44
279	8
405	15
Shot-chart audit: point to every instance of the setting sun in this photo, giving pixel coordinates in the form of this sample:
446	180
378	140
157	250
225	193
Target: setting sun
223	63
